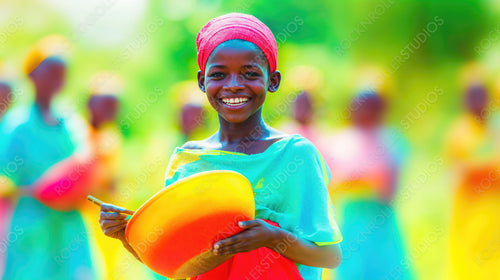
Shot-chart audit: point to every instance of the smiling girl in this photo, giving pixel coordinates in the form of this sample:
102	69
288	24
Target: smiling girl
294	234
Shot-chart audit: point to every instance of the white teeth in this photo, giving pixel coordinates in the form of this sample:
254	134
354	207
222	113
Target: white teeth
235	101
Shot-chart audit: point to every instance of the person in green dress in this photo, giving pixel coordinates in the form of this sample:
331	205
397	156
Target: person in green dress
44	243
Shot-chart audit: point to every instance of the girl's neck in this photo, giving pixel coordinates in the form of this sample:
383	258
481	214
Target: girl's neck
478	119
95	123
43	104
44	107
253	128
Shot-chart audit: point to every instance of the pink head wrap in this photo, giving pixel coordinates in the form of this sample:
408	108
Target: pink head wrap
236	26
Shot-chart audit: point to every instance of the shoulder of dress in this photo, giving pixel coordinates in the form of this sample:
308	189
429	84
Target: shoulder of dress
204	144
300	142
300	146
191	145
195	145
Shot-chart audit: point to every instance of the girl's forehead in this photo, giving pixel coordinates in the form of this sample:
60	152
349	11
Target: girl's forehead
241	50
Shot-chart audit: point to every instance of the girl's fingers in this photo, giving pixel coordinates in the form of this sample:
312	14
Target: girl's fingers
111	223
106	207
240	247
249	223
230	240
112	230
112	216
239	236
222	247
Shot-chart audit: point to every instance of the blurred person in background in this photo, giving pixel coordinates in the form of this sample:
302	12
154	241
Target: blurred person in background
474	151
102	153
304	123
5	98
48	244
7	121
365	160
191	118
303	118
309	81
6	185
104	138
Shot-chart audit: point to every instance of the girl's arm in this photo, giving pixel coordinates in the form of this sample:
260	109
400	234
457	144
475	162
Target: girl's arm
258	234
114	222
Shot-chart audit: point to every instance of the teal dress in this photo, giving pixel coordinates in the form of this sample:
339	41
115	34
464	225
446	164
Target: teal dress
8	123
289	181
43	243
373	247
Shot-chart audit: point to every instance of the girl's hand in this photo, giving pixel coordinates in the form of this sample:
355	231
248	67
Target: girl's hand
256	234
114	221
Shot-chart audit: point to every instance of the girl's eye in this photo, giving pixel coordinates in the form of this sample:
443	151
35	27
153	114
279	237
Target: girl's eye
252	74
216	75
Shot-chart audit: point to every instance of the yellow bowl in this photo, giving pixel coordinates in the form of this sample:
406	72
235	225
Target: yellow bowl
175	230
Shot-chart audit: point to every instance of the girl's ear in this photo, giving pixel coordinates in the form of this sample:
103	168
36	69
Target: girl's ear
274	81
201	80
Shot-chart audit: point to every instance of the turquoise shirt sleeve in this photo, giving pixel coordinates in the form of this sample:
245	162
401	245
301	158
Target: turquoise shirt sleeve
310	212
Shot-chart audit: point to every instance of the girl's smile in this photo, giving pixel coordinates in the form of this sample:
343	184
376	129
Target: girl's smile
234	101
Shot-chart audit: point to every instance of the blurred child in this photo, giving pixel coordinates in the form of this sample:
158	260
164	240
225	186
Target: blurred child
48	244
366	160
104	138
5	98
474	151
6	185
191	119
303	117
303	114
102	156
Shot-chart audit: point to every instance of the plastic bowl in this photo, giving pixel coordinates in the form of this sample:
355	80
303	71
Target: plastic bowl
65	186
175	230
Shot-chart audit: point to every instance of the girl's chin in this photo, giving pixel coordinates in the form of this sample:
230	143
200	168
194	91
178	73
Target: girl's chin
234	119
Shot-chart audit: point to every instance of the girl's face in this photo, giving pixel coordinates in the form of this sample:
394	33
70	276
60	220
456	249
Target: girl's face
49	77
237	79
476	100
367	111
103	108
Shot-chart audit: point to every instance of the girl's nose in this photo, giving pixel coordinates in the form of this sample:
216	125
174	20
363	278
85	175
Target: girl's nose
234	84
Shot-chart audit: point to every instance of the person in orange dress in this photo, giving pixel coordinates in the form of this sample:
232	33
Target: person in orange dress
473	149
